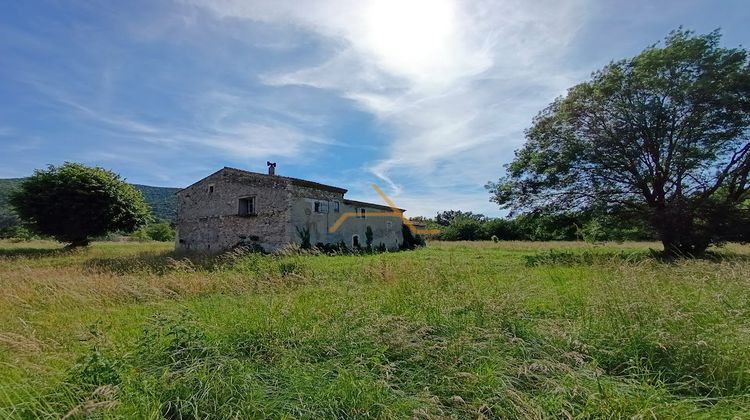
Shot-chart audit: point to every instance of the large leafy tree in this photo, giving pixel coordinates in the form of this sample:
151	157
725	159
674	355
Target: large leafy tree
661	138
74	203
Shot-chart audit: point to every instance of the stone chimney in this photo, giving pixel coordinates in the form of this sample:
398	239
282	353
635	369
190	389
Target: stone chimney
271	167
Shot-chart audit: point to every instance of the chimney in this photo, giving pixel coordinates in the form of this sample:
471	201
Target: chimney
271	167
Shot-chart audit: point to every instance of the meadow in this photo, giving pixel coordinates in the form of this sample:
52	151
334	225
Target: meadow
453	330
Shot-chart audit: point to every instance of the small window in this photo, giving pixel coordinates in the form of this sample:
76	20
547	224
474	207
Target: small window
355	241
247	206
321	207
361	213
211	188
389	224
336	207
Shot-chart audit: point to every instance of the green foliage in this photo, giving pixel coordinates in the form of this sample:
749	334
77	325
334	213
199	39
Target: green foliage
9	225
161	200
593	231
73	203
445	218
411	241
501	228
160	231
7	186
368	238
93	369
660	138
304	236
333	249
588	225
463	228
548	227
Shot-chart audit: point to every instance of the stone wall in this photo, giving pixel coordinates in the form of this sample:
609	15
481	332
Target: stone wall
208	214
386	230
303	215
209	221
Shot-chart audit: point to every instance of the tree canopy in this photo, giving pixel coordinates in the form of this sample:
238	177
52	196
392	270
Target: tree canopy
74	203
444	218
661	137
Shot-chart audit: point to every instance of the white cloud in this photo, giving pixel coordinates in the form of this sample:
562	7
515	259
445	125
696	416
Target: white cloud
456	80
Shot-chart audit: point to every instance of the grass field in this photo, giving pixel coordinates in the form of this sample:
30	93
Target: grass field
460	330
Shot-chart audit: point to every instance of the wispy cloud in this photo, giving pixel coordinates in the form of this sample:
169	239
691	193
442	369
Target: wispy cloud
218	132
428	98
456	81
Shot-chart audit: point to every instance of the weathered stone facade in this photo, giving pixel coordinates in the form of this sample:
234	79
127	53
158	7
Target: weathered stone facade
212	218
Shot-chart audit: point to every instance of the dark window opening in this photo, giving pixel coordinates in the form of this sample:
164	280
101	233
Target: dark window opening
321	207
211	189
362	213
355	241
247	206
336	207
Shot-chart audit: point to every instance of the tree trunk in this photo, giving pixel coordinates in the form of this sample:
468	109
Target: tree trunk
684	247
80	242
678	233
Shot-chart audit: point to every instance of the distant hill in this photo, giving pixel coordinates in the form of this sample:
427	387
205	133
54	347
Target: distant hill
6	186
162	200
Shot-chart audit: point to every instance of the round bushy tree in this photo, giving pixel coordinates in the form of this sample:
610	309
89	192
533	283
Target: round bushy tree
73	203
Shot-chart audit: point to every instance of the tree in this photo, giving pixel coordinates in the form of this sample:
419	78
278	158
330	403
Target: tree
661	137
548	226
74	203
464	228
502	228
9	225
444	218
159	231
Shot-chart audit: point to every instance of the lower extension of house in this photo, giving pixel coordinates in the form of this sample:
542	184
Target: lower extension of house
235	207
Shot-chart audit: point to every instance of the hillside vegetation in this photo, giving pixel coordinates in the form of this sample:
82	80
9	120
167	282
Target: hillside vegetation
460	329
162	200
6	187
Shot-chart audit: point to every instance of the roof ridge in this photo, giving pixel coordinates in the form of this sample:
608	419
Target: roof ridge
299	181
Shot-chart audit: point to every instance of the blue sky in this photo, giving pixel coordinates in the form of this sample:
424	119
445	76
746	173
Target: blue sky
426	98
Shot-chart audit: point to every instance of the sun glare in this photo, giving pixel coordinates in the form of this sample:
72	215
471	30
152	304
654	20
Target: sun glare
410	36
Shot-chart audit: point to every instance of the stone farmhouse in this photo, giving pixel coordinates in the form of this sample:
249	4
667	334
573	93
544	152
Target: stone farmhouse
232	207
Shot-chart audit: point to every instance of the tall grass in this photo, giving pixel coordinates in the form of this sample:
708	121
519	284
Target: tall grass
453	330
